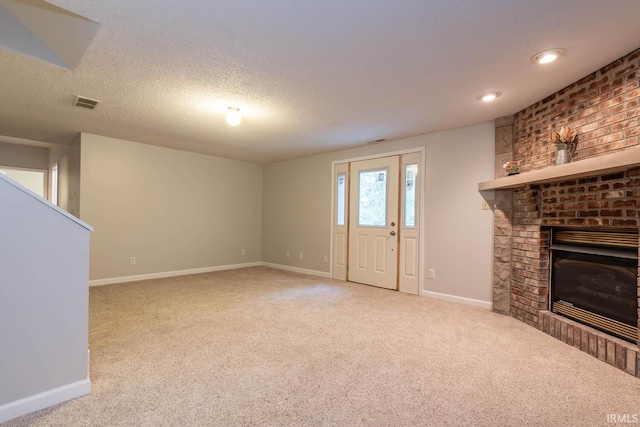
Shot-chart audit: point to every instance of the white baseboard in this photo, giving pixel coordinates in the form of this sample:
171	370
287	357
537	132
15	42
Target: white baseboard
462	300
43	400
124	279
298	270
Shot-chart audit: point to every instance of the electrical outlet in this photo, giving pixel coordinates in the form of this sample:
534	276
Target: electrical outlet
326	259
287	254
432	273
244	252
301	255
487	205
132	260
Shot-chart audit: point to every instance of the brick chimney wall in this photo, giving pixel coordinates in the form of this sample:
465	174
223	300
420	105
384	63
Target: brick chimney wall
604	108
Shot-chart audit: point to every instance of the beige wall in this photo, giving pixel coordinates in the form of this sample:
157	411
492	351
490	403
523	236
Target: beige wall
297	212
297	209
171	209
68	159
23	156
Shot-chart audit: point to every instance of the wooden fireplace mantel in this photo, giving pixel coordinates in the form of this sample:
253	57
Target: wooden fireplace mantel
608	163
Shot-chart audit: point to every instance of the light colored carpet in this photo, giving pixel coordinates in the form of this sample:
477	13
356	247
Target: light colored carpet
265	347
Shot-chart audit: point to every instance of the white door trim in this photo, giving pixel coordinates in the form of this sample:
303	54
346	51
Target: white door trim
421	176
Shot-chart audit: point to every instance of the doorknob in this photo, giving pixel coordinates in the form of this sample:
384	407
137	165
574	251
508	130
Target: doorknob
393	233
393	224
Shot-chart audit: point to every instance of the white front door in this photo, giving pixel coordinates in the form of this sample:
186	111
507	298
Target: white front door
373	229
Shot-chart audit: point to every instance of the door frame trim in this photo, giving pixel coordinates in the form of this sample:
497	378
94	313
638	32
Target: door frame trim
422	176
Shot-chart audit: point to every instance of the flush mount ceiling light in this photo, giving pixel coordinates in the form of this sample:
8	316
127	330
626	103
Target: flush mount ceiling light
489	96
233	116
547	56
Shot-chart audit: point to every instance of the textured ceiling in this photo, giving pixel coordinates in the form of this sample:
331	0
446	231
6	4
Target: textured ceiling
309	76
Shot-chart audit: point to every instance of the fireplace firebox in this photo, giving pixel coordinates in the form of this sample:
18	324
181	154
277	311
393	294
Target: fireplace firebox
594	279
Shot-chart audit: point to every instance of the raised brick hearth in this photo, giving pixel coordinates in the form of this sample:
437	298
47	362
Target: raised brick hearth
605	109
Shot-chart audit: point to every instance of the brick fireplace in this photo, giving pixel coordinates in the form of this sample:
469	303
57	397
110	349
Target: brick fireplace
604	107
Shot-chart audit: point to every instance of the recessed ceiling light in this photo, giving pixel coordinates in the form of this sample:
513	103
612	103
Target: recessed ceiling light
489	96
233	116
547	56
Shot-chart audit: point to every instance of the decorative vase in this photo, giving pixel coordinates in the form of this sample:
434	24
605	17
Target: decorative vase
563	154
512	173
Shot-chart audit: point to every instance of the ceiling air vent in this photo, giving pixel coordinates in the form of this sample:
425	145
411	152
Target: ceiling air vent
83	102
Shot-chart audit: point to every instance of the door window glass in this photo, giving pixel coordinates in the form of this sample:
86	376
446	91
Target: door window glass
341	198
372	202
410	175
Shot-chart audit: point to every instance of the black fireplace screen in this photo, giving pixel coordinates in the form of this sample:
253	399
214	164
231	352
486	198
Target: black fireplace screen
594	279
602	285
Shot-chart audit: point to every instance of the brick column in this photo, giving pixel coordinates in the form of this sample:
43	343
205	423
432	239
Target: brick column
502	220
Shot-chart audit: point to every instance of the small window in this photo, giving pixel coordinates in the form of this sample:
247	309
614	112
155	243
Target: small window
32	179
54	184
341	197
410	176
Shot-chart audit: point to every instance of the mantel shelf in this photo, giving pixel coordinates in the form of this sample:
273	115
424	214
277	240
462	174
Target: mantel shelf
608	163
